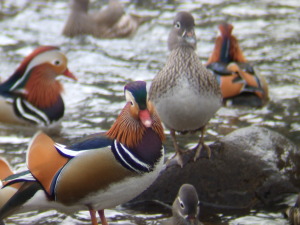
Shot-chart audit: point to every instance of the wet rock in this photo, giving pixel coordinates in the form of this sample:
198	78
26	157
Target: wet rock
250	167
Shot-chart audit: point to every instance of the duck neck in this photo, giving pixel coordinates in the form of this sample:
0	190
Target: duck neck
182	52
225	55
80	6
230	51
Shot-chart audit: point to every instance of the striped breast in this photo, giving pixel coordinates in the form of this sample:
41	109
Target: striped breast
42	116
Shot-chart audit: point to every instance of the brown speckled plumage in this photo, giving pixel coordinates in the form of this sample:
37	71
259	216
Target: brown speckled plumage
185	94
184	62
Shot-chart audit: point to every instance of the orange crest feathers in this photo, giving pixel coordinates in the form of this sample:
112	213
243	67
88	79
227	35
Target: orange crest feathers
129	131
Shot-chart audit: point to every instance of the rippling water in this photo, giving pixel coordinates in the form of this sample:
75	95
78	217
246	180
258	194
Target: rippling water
268	32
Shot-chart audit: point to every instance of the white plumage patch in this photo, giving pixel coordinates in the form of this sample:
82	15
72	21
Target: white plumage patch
69	152
127	152
29	116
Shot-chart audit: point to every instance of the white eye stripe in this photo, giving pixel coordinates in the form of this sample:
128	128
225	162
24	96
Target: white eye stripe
177	24
129	97
42	57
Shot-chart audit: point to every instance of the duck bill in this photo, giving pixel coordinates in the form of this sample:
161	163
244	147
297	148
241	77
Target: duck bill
191	219
189	36
145	117
69	74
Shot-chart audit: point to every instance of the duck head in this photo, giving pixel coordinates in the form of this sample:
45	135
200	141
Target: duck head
182	33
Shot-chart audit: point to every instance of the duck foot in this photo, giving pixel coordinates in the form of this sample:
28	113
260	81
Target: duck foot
198	150
180	158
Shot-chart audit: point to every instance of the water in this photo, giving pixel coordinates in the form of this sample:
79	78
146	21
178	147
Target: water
268	32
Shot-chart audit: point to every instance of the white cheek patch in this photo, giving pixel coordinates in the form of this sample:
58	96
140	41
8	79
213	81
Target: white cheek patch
129	97
39	59
47	56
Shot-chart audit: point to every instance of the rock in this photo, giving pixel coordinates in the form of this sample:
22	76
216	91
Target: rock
250	167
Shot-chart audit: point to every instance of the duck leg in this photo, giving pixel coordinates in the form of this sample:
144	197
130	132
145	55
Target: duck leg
201	145
102	217
93	216
179	152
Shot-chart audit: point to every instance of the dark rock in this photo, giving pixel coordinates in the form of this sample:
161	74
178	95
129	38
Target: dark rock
250	167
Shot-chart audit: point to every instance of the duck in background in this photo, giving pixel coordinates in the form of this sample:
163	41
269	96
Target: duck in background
185	208
239	81
111	22
185	94
32	95
99	172
293	212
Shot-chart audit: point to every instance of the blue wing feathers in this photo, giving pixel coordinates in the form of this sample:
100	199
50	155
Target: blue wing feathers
91	142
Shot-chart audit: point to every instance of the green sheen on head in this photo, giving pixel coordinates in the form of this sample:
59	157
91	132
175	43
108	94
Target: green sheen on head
136	93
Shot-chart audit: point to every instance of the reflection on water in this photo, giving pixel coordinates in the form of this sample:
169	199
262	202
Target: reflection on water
268	32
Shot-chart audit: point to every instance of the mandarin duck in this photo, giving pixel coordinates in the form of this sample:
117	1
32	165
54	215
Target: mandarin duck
6	193
293	213
236	76
185	94
32	95
111	22
185	208
99	172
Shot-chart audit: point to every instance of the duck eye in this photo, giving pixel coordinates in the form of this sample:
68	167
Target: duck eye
56	62
181	204
177	25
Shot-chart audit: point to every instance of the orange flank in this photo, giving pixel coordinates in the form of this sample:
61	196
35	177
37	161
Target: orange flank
43	160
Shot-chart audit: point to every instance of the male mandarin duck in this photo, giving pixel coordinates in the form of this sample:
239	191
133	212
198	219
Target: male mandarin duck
32	94
99	172
293	213
185	208
111	22
236	76
185	94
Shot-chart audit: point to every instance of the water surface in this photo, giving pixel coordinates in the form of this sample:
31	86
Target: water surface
268	32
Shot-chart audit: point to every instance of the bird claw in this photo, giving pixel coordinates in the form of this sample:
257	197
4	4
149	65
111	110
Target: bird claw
180	158
198	150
